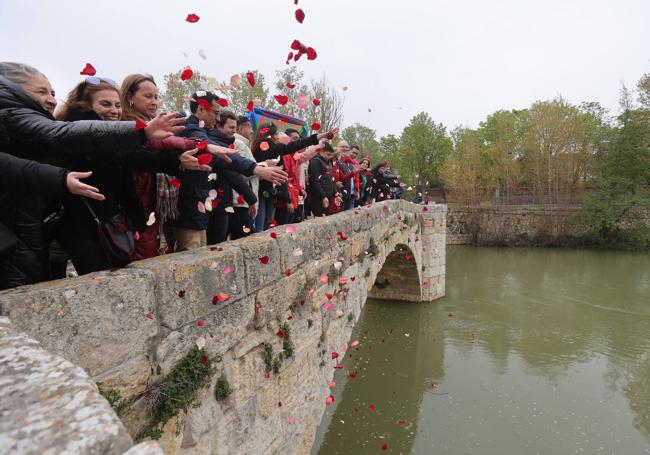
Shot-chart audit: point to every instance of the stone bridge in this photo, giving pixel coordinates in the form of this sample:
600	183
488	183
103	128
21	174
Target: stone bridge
299	288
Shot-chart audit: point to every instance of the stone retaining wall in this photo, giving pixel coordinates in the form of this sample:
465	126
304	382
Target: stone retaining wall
129	328
516	225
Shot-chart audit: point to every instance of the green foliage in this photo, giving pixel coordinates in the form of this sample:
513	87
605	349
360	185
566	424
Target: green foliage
178	390
425	145
222	388
287	344
310	323
273	362
611	210
114	398
372	248
176	93
364	137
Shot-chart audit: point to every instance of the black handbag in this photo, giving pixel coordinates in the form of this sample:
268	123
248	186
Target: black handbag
115	236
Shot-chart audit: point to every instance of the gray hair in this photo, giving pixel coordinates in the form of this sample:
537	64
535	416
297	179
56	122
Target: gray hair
18	73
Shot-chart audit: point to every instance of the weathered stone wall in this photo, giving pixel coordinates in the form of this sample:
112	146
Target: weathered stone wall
129	328
516	225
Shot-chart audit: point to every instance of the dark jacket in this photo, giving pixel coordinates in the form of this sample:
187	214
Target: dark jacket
17	174
195	186
381	185
29	131
278	150
321	179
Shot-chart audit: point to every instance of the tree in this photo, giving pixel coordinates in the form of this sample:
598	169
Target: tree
240	93
364	137
177	92
389	149
329	114
499	132
425	145
644	90
621	171
461	173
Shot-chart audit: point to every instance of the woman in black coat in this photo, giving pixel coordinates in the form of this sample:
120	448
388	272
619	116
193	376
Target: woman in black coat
267	146
28	130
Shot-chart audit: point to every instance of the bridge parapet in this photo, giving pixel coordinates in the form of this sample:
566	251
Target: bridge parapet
130	327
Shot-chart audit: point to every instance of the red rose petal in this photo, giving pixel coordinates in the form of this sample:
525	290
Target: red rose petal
176	183
402	422
329	296
250	106
88	70
187	74
287	272
282	333
222	102
315	126
330	136
341	235
281	99
204	158
200	323
273	223
372	407
201	145
149	316
384	447
450	315
425	209
274	236
335	355
295	45
181	293
264	259
139	125
251	78
192	18
204	359
407	257
204	104
311	53
316	102
339	366
231	146
352	375
324	278
289	85
300	15
240	199
289	318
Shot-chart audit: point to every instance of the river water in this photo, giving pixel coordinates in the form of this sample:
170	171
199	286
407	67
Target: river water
532	351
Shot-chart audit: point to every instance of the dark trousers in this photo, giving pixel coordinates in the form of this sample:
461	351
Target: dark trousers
283	216
238	220
348	204
299	214
317	207
217	231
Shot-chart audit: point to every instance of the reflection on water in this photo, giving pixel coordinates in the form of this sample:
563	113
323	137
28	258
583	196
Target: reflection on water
531	351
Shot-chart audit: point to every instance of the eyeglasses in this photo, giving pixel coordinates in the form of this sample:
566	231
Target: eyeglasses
97	80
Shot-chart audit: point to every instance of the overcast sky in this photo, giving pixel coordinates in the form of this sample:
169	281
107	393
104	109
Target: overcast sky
457	60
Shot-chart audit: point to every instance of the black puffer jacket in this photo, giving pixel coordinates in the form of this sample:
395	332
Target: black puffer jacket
29	131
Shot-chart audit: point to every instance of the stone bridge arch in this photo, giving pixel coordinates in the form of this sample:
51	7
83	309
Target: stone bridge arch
129	328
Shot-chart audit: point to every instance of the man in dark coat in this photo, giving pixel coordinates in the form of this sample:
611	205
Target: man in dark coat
321	186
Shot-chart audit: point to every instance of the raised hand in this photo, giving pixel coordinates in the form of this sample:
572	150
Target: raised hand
271	174
191	163
164	125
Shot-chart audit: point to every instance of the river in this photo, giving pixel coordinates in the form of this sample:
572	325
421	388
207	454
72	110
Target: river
532	351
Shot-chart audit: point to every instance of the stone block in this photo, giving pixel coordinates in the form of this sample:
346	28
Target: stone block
258	274
97	321
198	276
220	330
272	301
50	406
130	378
145	448
246	374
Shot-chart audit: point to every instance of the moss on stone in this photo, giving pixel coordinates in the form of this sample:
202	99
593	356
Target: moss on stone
114	398
177	390
222	388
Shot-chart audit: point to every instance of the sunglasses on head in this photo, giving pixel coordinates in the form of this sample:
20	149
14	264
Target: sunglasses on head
97	80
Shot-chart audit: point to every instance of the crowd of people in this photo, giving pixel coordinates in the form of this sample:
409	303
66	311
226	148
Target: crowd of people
106	176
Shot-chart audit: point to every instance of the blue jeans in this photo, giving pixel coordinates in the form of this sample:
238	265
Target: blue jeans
265	213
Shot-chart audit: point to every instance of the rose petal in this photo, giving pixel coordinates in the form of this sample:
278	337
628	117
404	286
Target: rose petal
300	15
324	278
181	293
204	158
176	183
355	343
192	18
200	206
187	73
316	102
264	259
88	70
264	146
251	78
297	252
152	219
149	316
329	306
200	323
249	106
139	125
335	355
204	359
311	53
281	99
329	400
287	272
222	102
289	85
372	407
